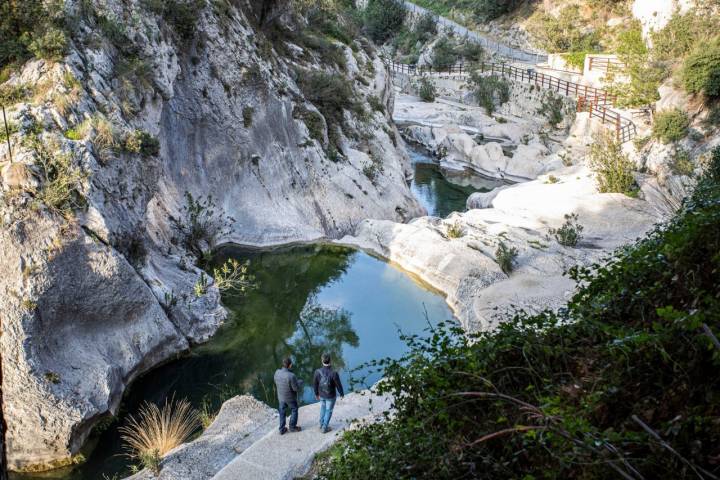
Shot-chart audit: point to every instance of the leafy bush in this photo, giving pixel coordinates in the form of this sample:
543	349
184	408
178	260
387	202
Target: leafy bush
570	233
233	276
681	163
700	71
552	108
201	225
61	178
376	103
620	383
51	45
383	18
141	142
331	94
564	33
32	28
426	90
490	91
313	121
670	125
643	75
613	169
505	257
181	15
444	54
373	170
247	113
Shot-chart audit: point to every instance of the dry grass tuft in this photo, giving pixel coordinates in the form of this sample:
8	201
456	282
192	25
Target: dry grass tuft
156	431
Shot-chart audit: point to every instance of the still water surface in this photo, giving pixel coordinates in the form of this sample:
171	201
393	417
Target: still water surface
309	300
443	192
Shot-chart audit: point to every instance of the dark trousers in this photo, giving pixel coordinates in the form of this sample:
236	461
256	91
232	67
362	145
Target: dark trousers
284	406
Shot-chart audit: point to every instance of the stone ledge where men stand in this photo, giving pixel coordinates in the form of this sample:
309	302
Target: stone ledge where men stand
243	441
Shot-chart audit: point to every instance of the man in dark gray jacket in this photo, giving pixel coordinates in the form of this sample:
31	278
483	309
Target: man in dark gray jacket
287	387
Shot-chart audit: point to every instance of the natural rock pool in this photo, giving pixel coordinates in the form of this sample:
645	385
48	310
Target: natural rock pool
443	192
308	300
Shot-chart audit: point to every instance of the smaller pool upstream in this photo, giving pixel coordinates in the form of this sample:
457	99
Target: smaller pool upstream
309	300
440	191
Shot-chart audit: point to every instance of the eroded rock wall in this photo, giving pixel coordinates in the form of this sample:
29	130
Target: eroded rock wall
92	299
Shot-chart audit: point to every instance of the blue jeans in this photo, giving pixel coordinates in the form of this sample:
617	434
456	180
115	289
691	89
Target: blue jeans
326	409
293	406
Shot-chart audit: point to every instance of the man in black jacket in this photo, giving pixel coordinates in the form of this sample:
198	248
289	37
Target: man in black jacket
287	390
326	383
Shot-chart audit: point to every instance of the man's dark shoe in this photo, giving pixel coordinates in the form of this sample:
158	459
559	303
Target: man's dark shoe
326	429
295	429
283	431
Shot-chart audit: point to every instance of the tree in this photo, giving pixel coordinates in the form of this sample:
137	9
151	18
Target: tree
383	18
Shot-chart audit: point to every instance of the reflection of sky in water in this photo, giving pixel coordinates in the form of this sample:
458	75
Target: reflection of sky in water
309	300
382	300
440	194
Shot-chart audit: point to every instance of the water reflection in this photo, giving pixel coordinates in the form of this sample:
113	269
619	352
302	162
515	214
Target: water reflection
442	192
309	300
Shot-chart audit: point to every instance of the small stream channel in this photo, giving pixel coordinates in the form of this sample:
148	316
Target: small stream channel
308	300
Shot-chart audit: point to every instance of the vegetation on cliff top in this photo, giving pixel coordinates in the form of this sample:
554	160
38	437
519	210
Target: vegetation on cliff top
620	383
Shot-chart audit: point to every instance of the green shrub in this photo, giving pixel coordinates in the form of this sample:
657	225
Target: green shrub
313	121
643	75
247	114
575	59
712	120
141	142
201	224
61	178
181	15
570	233
564	33
489	91
383	18
32	28
376	103
700	71
426	90
671	125
372	170
10	94
455	230
73	134
552	108
329	52
471	51
681	34
12	128
599	389
332	95
613	169
505	257
444	54
681	163
51	45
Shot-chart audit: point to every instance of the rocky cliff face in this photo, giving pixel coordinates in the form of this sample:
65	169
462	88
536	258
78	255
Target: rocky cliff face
95	294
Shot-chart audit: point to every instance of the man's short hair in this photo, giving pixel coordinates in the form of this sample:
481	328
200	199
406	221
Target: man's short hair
326	359
287	361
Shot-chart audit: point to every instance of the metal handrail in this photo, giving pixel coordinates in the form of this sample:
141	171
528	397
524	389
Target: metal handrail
491	45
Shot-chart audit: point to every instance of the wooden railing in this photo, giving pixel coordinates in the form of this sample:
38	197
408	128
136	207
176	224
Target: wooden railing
605	64
596	101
